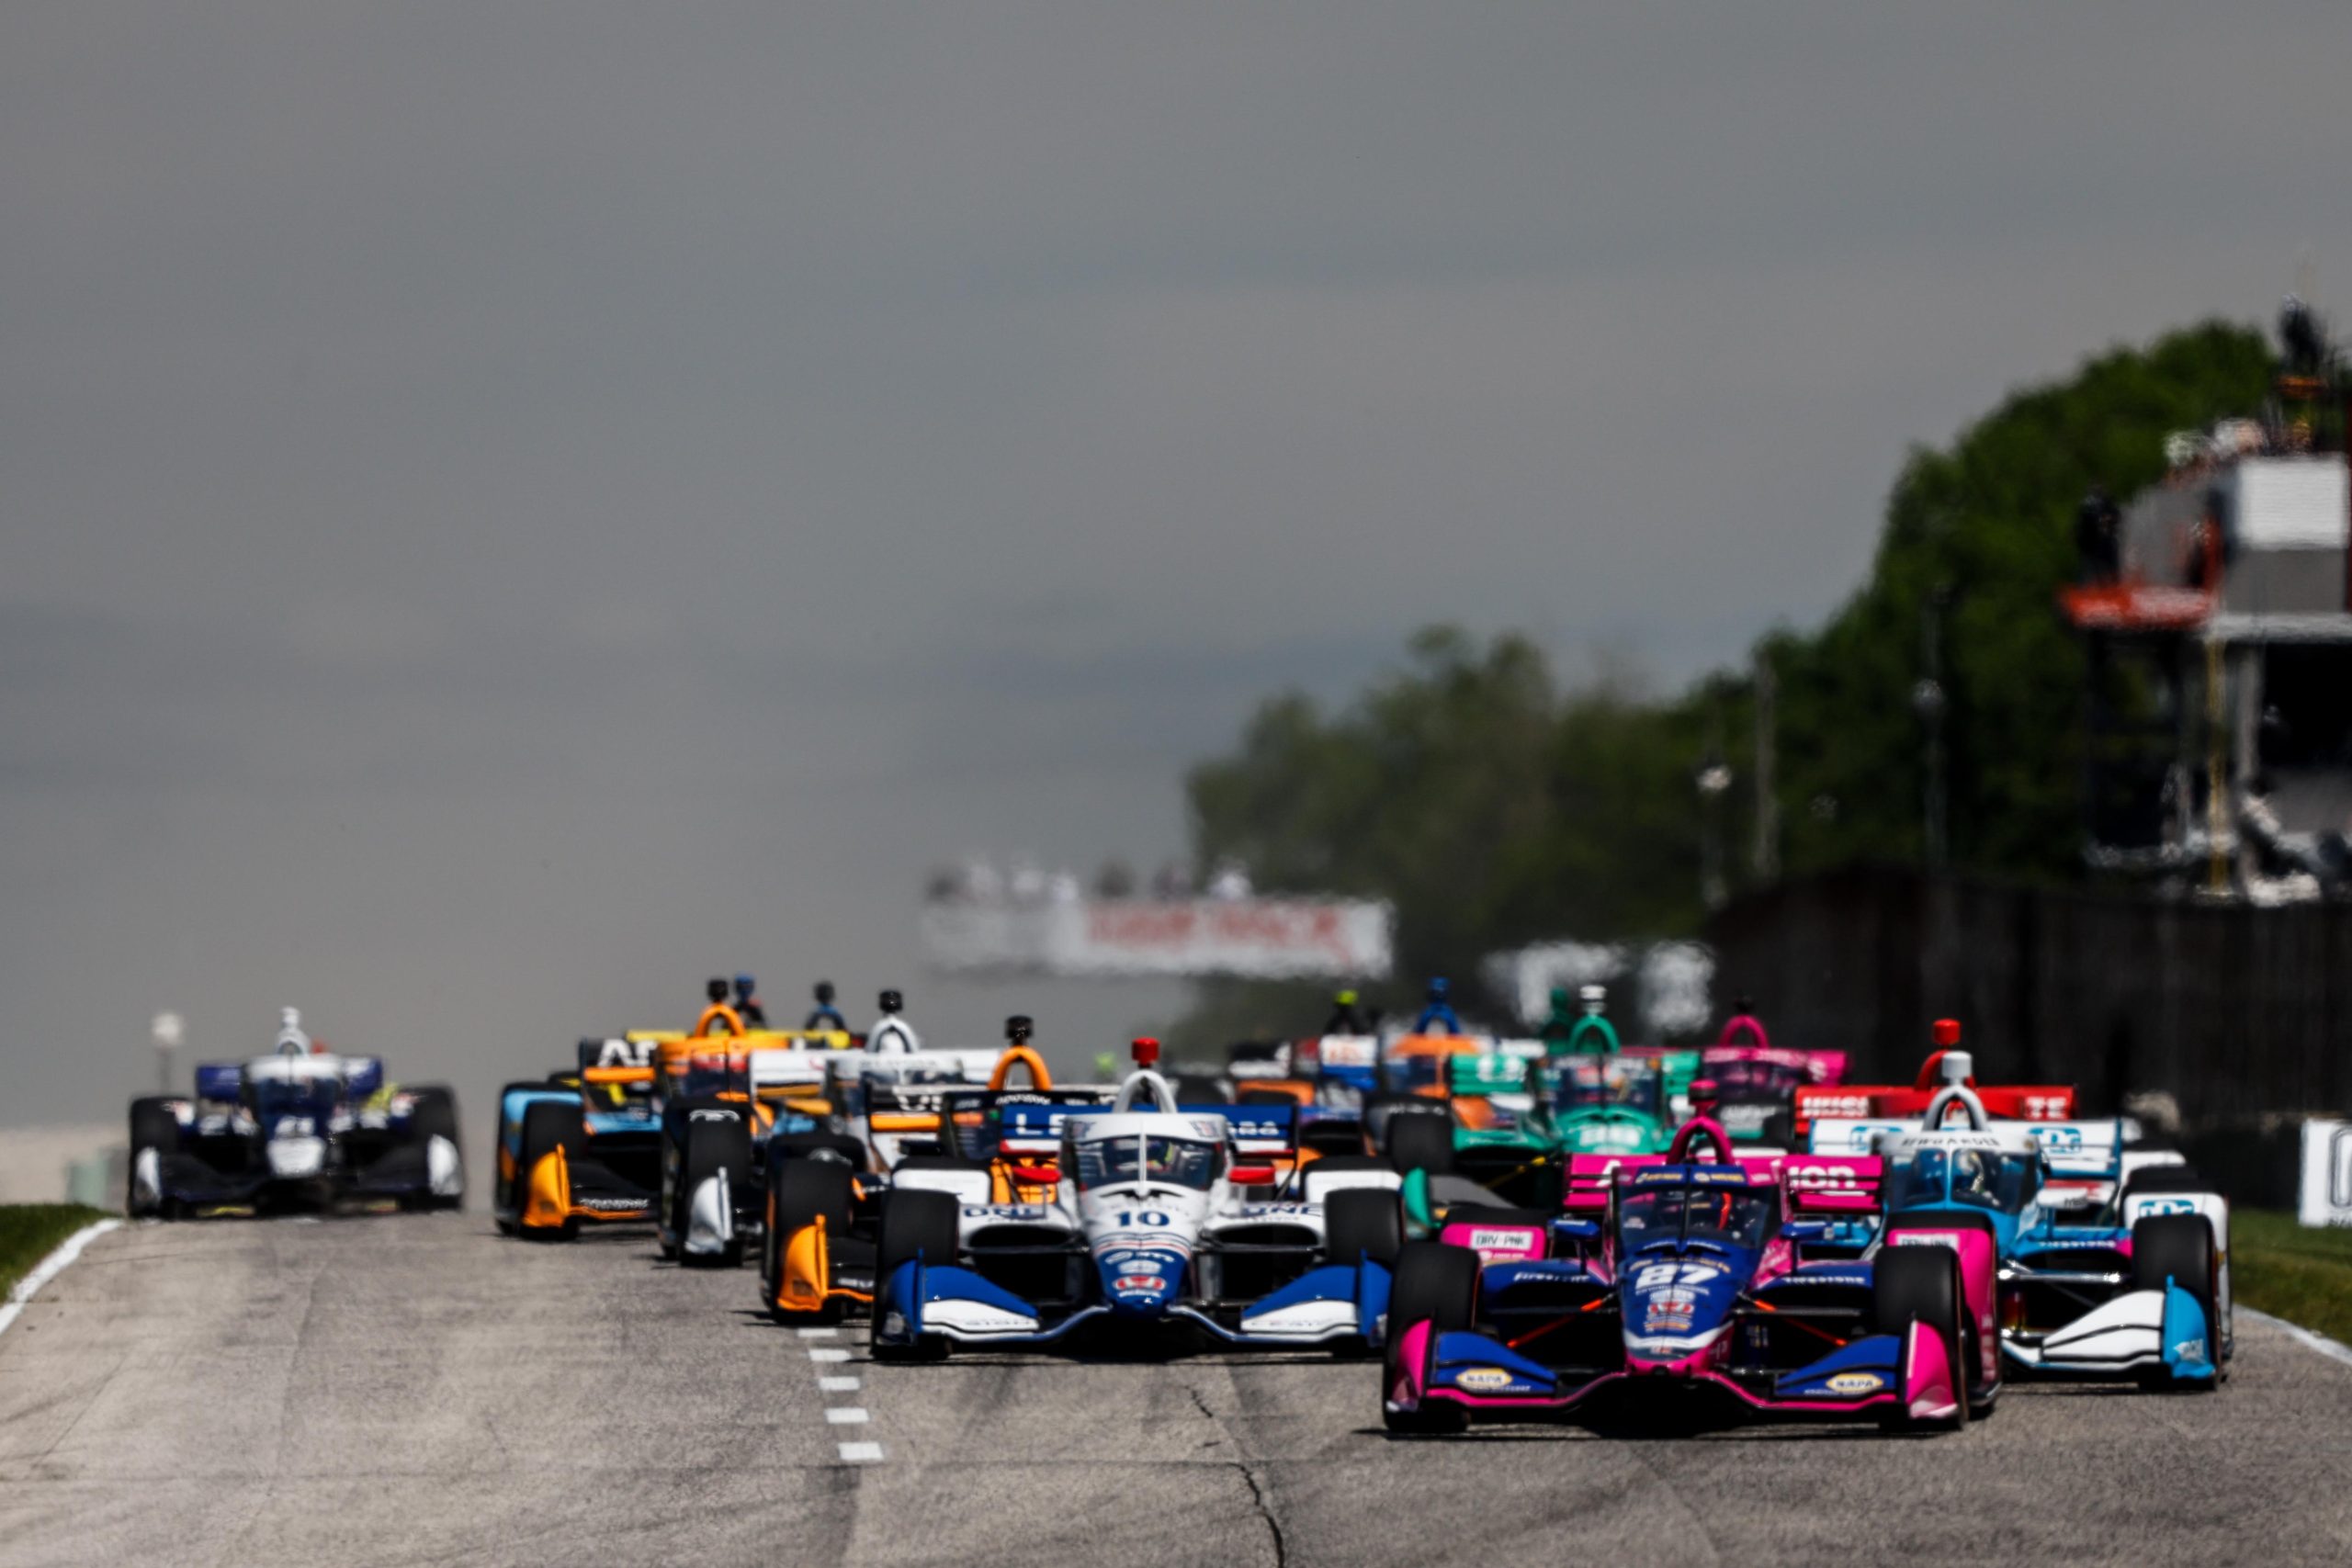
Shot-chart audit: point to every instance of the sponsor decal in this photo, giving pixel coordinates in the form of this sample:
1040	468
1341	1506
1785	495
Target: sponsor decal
1855	1383
1927	1238
712	1116
1484	1240
2189	1351
1657	1321
2059	1140
1138	1264
1657	1276
2151	1206
1137	1285
1865	1134
606	1205
1484	1380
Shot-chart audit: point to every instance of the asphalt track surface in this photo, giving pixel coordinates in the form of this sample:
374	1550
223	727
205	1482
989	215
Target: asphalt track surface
421	1390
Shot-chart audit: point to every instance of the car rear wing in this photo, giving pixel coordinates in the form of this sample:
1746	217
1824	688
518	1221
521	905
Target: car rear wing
1028	1120
222	1083
1819	1067
1031	1121
1502	1073
1595	1175
1906	1103
1352	1059
1828	1184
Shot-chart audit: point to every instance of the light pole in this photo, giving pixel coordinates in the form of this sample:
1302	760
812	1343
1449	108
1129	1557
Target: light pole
1929	702
169	1030
1714	778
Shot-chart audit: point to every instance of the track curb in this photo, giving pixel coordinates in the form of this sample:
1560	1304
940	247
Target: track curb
2296	1331
49	1268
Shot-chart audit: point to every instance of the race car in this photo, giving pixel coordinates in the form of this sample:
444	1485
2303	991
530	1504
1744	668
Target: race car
1871	1108
1513	1148
1695	1272
1756	1082
724	1101
297	1129
2111	1262
824	1198
580	1147
1148	1228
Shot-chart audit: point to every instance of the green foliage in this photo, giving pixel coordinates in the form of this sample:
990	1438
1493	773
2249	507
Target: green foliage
2302	1275
29	1232
1495	810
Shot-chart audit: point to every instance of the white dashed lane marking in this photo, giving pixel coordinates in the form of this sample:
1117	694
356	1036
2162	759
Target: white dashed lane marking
845	1415
861	1453
818	1333
837	1385
829	1355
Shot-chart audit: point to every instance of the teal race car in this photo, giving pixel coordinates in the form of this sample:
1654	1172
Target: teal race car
1516	1117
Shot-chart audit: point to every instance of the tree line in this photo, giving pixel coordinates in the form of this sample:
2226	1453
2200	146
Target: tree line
1497	806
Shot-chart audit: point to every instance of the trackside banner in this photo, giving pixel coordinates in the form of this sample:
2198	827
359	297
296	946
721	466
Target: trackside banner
2326	1195
1259	938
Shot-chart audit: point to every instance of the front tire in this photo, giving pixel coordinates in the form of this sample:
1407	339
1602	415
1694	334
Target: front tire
801	1190
1438	1285
153	1126
1922	1284
713	1137
2178	1247
915	1224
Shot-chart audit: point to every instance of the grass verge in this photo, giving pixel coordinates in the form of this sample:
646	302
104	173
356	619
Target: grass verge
29	1232
2283	1268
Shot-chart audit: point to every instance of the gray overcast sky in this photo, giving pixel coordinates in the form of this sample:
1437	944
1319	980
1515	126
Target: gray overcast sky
507	509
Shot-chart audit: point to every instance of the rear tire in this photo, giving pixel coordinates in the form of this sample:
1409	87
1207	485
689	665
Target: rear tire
1922	1283
914	1224
1419	1141
2179	1247
1436	1285
153	1126
1367	1222
435	1116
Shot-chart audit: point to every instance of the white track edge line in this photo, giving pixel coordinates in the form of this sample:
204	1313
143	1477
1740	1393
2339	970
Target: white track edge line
49	1268
2304	1337
860	1453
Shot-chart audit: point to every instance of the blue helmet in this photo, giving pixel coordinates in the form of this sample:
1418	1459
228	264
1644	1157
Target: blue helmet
744	987
1438	988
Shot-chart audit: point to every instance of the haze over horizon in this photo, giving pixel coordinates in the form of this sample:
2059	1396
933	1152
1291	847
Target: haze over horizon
508	512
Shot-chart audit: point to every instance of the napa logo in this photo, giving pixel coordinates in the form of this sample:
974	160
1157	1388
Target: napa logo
1484	1380
1855	1383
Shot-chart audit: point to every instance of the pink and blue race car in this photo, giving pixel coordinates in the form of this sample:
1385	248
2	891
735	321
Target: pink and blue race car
1767	1281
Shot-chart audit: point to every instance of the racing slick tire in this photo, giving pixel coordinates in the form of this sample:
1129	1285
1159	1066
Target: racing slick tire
503	1193
153	1126
1418	1141
550	1126
915	1223
2178	1247
435	1116
714	1136
801	1191
1439	1285
1922	1283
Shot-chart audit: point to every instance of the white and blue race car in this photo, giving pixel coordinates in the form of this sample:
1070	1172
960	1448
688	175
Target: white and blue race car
1155	1222
297	1129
